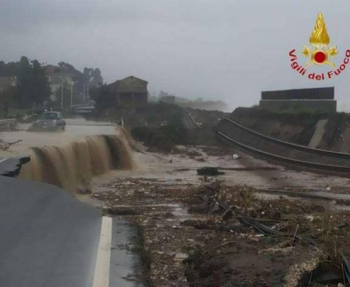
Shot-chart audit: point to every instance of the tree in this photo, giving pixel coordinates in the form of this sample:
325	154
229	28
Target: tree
6	100
89	77
32	85
102	96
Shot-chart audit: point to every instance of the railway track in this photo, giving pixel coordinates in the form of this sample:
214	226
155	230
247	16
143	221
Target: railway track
282	152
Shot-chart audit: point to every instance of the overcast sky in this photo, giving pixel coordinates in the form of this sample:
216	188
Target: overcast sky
226	50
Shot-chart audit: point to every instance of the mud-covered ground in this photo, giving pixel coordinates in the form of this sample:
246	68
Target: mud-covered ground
220	231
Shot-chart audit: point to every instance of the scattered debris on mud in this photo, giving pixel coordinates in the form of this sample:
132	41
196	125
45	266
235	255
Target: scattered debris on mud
217	235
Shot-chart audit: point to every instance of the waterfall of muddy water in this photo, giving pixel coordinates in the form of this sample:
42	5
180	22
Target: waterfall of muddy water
71	160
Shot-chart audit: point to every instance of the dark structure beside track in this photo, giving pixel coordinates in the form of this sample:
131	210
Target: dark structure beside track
300	99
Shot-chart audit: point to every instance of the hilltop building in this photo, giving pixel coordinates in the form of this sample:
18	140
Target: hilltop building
129	92
315	99
57	80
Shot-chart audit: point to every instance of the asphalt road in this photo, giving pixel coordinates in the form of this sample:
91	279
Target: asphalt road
50	239
12	166
47	237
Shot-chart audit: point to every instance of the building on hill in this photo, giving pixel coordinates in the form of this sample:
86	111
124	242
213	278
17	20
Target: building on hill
129	92
314	99
57	79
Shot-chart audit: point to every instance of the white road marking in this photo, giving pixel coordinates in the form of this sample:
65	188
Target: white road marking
4	159
101	276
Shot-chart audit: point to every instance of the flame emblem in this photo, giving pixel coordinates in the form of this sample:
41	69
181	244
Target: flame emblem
319	39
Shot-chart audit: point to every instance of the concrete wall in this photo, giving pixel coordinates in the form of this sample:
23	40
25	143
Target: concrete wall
311	105
305	94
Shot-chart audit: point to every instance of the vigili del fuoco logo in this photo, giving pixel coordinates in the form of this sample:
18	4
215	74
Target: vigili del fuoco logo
320	53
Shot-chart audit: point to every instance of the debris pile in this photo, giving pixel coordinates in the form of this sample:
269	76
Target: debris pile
300	238
217	235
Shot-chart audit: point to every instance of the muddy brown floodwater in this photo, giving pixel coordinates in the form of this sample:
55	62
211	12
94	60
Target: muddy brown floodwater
70	159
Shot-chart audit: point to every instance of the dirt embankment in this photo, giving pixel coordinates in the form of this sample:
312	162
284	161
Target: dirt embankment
293	128
160	126
298	128
337	133
156	115
206	120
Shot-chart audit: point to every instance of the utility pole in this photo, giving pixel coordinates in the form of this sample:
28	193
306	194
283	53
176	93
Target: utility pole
71	95
62	92
86	91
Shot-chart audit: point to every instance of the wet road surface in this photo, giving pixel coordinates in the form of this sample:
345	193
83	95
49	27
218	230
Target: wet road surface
48	238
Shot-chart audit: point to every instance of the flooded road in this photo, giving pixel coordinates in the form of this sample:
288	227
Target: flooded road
70	159
76	128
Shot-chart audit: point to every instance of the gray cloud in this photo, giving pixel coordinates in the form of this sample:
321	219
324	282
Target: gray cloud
219	49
